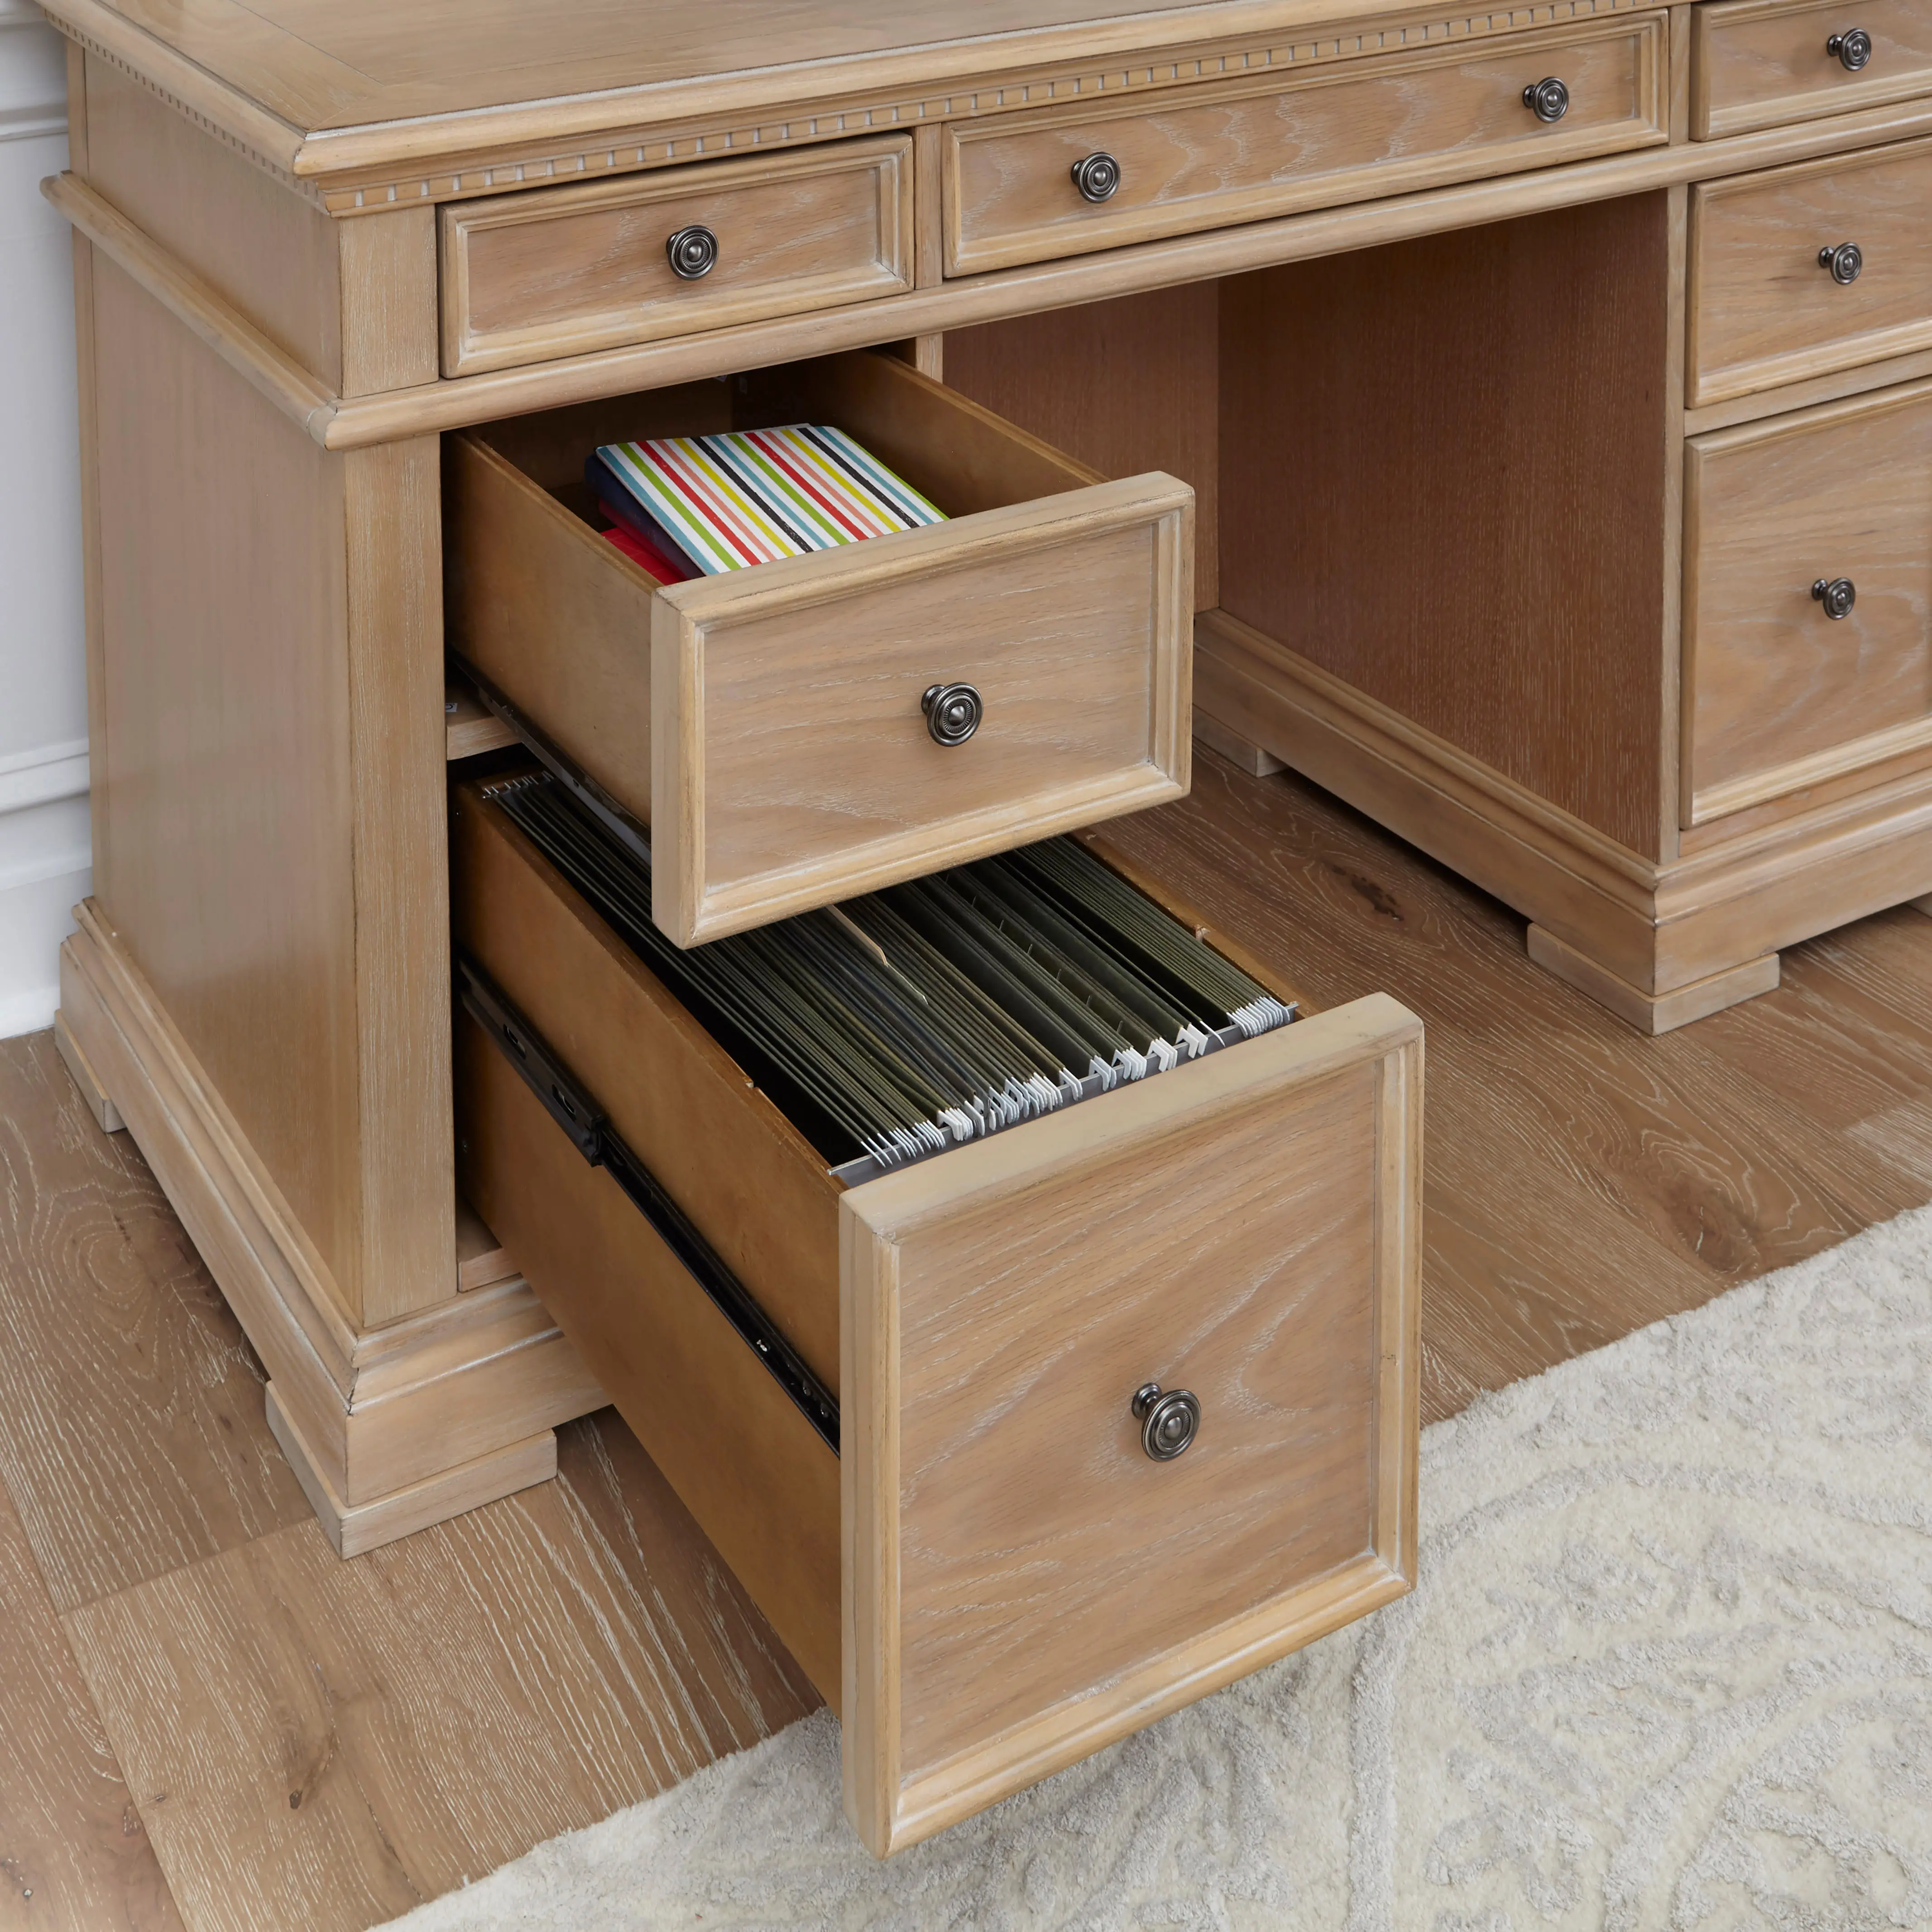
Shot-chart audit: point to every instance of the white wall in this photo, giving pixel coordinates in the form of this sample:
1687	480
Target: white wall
44	834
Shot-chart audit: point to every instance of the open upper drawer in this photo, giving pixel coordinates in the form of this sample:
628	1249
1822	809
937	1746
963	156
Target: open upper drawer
767	723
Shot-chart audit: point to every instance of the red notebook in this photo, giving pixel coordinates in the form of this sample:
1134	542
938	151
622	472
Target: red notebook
648	556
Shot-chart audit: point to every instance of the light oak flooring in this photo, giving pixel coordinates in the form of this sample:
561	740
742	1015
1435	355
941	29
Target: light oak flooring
206	1720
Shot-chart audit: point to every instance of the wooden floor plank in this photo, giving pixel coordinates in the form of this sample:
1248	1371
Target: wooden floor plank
74	1854
1580	1180
319	1744
132	1435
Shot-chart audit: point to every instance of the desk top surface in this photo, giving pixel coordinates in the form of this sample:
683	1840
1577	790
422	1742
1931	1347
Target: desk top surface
357	67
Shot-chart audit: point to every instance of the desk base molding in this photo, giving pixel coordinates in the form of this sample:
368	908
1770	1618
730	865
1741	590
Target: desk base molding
389	1428
1659	945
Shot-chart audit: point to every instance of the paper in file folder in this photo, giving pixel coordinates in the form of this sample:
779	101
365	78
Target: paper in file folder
754	496
939	1011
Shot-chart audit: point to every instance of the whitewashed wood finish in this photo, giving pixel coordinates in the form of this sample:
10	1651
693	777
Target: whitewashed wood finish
1244	149
381	1409
1763	312
564	271
131	1436
1778	695
1022	1584
1652	1013
1759	63
76	1858
106	1115
791	765
324	1744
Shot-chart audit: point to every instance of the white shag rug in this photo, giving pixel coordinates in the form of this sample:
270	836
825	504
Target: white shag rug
1669	1664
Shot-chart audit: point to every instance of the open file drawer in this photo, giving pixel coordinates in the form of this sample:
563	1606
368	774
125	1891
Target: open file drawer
767	723
976	1562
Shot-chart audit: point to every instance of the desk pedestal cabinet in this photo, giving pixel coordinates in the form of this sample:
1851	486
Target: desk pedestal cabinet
1521	422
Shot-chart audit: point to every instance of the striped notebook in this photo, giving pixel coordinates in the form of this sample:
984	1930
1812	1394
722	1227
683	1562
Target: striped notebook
753	495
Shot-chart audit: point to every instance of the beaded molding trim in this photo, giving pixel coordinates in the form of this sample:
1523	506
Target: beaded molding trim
632	150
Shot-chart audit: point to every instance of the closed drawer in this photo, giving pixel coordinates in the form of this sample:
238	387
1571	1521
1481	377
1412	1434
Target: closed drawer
560	271
1762	63
1774	295
1782	694
976	1562
767	723
1210	156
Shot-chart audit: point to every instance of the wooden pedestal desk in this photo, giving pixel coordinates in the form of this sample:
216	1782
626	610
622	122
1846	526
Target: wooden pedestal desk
1519	421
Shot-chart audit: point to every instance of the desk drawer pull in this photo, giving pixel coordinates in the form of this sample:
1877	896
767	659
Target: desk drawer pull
1846	262
1168	1422
692	253
952	712
1838	595
1096	177
1548	100
1851	50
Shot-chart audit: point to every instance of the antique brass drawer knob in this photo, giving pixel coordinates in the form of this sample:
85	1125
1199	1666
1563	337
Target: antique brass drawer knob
952	712
692	253
1548	100
1852	49
1838	595
1168	1422
1096	177
1845	261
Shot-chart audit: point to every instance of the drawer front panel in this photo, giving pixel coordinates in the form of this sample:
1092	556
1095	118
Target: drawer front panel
1216	155
793	711
1762	63
1236	1230
561	272
1781	694
1765	309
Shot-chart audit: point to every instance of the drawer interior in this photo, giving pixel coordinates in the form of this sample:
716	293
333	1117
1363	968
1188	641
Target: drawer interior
1242	1225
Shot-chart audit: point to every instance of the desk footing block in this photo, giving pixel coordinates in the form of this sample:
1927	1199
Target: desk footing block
1241	752
102	1109
390	1429
1653	1012
1923	905
354	1527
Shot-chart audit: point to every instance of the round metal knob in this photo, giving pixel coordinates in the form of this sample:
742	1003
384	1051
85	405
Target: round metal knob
1838	595
1548	100
1845	261
952	712
1096	177
1168	1423
692	253
1853	48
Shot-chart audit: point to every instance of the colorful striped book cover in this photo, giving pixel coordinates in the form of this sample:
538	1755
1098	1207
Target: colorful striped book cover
753	495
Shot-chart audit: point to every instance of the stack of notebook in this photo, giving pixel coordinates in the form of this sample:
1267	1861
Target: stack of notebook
900	1025
694	505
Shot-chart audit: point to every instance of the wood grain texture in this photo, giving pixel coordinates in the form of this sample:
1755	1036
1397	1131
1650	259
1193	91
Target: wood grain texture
741	1455
132	1439
87	1082
1780	694
791	770
1522	620
1124	386
1219	1231
750	1182
387	270
348	73
1758	63
1764	313
562	271
392	521
260	247
74	1854
1581	1181
324	1744
1248	148
1652	1012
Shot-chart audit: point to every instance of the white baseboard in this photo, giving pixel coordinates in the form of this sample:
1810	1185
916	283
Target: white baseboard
45	869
